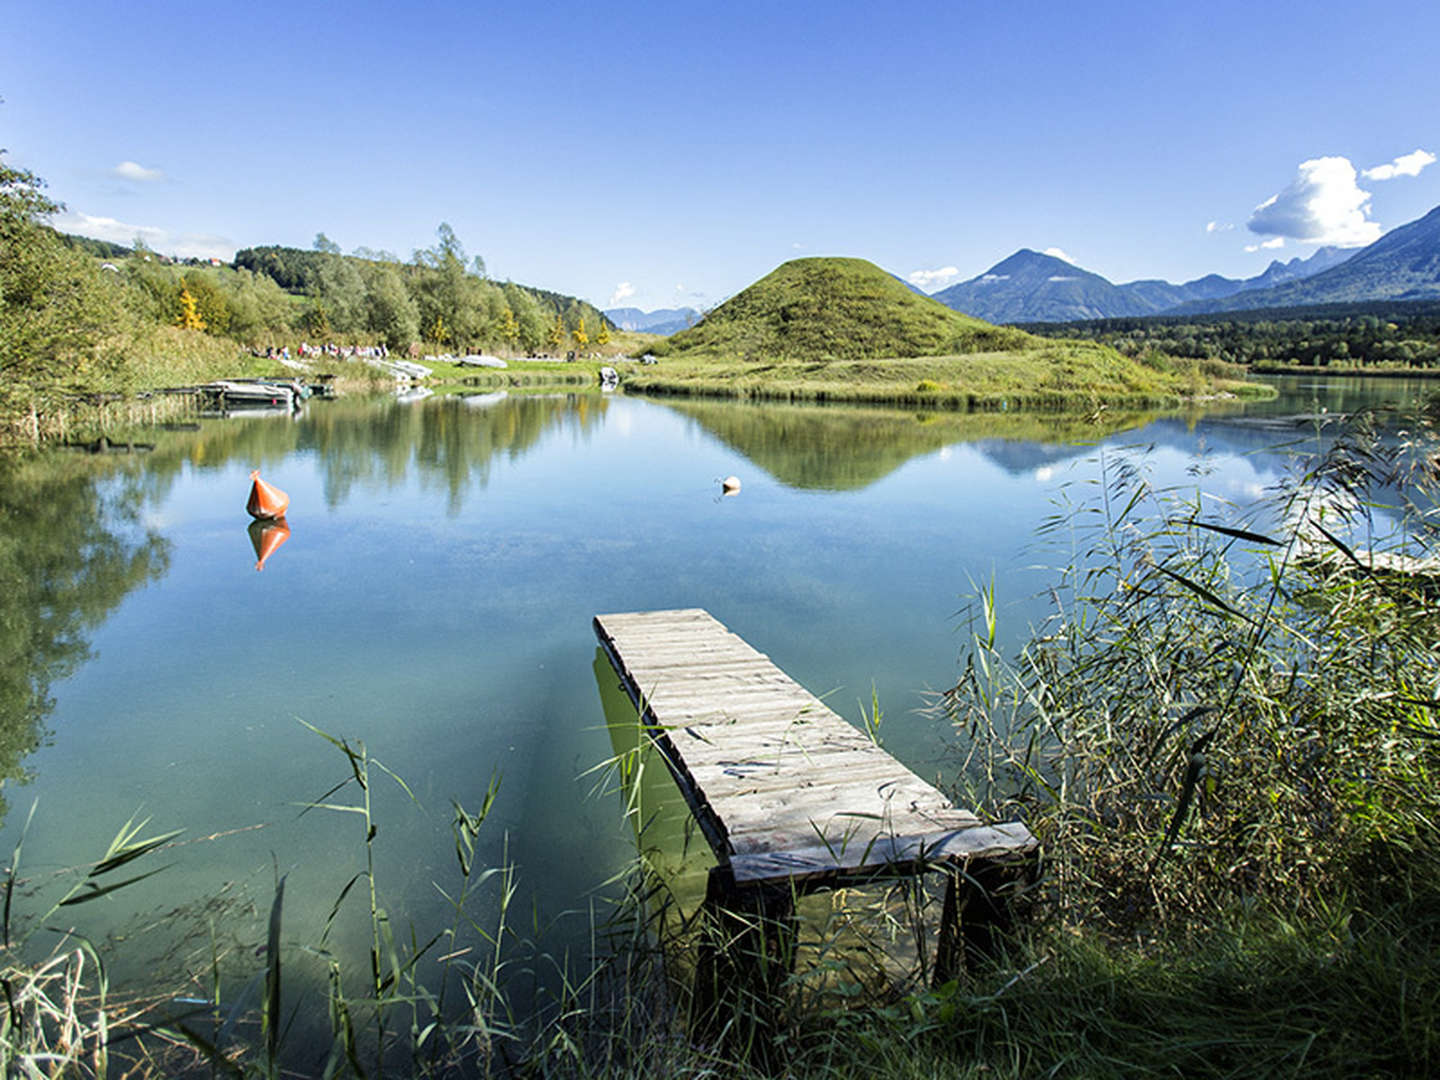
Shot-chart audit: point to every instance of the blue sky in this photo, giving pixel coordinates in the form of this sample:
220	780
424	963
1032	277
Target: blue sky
660	155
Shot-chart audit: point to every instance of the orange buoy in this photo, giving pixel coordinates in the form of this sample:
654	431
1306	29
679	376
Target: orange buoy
266	538
265	501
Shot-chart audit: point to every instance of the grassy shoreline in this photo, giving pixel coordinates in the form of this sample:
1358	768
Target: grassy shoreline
1062	380
1066	379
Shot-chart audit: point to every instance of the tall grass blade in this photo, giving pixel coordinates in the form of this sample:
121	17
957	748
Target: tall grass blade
272	979
13	870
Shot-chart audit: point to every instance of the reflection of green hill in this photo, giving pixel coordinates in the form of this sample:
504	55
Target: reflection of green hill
844	448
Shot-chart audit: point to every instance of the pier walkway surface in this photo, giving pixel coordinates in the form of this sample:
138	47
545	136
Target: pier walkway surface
790	797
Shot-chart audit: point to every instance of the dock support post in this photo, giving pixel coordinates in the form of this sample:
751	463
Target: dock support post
977	913
745	955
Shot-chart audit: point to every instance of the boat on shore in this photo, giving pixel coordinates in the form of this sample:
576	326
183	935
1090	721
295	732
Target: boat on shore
481	360
233	393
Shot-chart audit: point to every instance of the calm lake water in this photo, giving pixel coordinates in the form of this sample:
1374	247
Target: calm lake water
434	599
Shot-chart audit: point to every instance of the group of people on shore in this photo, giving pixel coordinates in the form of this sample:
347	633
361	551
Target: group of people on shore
307	351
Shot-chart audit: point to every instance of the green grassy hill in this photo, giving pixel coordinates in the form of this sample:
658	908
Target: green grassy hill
844	330
836	309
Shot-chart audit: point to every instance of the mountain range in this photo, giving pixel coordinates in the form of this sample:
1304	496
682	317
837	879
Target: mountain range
1404	264
1029	286
1032	287
665	321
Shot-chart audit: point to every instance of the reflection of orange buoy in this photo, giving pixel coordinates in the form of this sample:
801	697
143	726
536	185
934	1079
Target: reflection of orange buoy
266	537
266	501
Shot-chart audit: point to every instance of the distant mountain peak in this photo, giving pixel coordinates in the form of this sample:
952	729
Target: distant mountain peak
1032	286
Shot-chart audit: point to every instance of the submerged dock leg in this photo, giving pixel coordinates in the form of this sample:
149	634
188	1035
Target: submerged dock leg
977	912
746	953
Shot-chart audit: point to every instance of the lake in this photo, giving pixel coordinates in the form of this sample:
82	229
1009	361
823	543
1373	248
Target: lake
434	597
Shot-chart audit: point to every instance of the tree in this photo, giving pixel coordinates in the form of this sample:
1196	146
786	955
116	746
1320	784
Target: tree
258	307
391	311
581	337
375	255
57	313
557	332
510	328
528	314
324	244
337	284
603	337
190	318
211	306
445	293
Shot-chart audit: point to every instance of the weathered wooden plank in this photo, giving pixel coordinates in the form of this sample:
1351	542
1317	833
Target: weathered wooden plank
976	841
833	772
781	785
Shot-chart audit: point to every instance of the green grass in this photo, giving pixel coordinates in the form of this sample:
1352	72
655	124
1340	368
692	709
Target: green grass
1058	376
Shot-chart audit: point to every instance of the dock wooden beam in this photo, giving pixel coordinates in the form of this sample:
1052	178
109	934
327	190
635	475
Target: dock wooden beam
790	797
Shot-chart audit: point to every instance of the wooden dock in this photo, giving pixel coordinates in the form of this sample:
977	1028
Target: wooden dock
791	797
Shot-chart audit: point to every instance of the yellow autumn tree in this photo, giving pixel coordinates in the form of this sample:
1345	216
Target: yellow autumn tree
510	328
581	337
603	337
557	333
189	318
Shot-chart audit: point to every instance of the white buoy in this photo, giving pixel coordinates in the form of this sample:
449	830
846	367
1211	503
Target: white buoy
730	485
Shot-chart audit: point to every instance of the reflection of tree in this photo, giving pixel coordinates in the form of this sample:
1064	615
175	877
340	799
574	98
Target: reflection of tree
70	551
447	443
442	441
843	448
72	546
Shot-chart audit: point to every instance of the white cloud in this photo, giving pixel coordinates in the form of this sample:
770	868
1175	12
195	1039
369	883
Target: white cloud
1062	277
988	278
623	291
130	170
1322	205
933	279
1215	226
185	245
1267	245
1056	253
1404	165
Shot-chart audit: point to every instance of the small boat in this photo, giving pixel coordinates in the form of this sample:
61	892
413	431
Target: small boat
301	390
609	378
481	360
413	394
230	392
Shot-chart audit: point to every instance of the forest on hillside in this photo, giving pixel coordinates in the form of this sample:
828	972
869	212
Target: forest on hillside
1378	334
439	298
272	294
80	316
